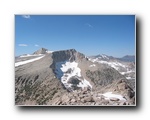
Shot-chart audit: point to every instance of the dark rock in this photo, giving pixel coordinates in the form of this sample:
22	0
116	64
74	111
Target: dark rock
88	99
114	99
122	103
105	102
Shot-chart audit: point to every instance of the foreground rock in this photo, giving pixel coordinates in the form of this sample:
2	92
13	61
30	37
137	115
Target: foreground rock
79	97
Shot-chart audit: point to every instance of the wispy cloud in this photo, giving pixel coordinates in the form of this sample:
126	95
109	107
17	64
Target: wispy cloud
89	25
26	16
23	45
36	45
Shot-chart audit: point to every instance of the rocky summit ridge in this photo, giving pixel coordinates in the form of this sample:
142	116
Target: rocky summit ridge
41	51
68	77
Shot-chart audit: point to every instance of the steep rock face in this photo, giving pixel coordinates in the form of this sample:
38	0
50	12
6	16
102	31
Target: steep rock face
66	68
103	77
67	55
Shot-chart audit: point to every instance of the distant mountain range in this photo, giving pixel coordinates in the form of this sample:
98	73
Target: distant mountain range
68	77
127	58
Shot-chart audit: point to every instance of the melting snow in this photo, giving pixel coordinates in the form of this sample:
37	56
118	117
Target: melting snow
109	95
66	70
115	65
92	65
28	55
123	73
27	61
84	83
129	78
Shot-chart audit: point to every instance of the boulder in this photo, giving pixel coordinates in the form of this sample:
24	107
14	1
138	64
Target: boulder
122	103
73	100
88	99
95	98
105	102
65	98
114	99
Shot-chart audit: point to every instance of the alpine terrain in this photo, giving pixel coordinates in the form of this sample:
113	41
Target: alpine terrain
68	77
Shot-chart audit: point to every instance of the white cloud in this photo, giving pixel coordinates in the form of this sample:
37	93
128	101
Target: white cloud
36	45
26	16
89	25
23	45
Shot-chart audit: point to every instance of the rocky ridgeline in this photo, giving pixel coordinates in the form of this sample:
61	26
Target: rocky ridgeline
86	97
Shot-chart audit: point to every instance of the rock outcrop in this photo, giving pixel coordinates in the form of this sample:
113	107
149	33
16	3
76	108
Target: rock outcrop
41	51
86	97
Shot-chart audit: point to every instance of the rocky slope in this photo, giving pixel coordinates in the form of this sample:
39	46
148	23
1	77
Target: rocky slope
68	77
124	65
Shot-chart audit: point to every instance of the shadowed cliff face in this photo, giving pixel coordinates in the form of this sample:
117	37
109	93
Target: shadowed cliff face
70	55
67	55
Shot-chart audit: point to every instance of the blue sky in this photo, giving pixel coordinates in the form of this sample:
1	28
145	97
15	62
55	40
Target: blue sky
90	34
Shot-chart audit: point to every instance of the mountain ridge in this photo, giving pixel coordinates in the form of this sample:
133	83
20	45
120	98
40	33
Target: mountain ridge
59	75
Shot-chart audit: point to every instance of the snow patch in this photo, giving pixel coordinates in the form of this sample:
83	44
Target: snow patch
128	78
105	57
92	65
110	95
115	65
123	73
66	70
27	61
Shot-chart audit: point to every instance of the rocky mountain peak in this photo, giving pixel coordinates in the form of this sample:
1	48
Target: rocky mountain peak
67	55
41	51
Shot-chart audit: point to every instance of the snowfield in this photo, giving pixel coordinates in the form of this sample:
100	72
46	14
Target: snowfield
120	67
27	61
115	65
28	55
66	70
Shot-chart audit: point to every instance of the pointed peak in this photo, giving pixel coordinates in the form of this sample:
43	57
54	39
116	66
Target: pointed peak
41	51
